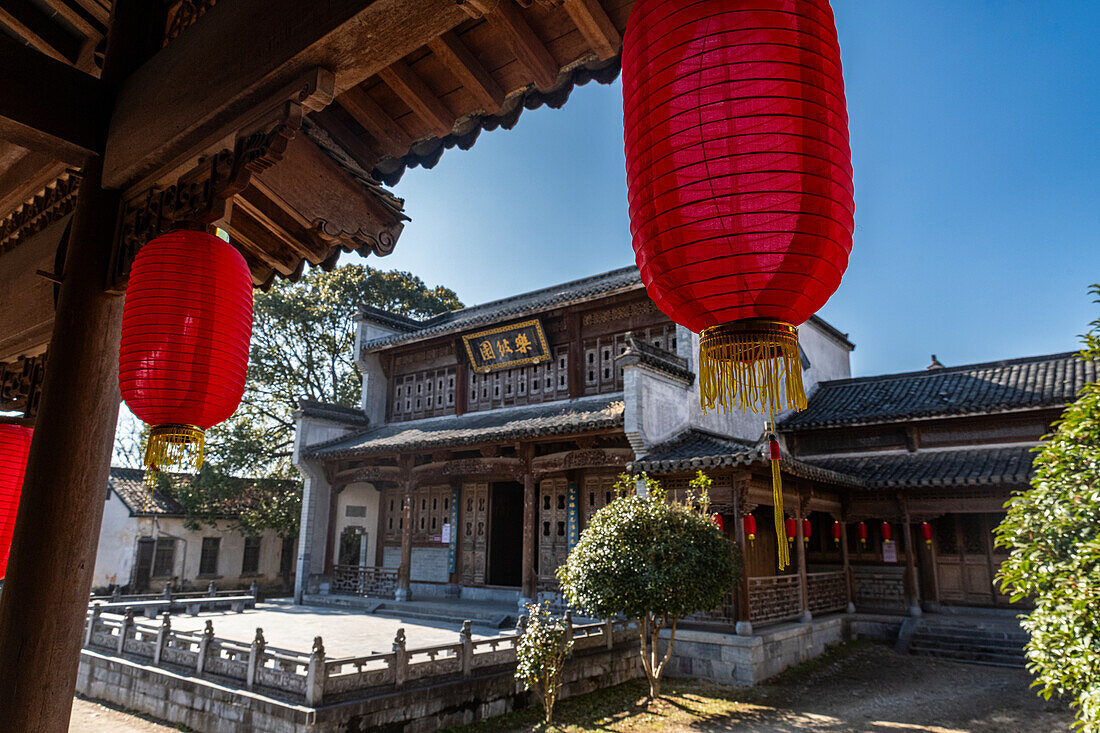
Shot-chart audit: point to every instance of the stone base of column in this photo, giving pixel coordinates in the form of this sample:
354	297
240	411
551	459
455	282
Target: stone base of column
401	595
807	617
453	590
915	611
742	628
851	608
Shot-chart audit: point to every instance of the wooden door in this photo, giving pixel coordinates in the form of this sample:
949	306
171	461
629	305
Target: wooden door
143	565
553	525
475	532
966	563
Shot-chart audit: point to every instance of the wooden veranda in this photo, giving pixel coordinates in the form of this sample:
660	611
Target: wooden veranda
275	120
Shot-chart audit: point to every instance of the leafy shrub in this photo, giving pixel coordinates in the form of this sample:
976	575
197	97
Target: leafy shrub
541	653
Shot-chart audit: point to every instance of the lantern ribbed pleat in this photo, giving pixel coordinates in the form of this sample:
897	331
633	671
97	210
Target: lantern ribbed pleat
740	180
15	443
186	327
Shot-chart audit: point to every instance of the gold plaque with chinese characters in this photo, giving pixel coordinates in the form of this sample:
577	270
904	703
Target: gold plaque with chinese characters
507	347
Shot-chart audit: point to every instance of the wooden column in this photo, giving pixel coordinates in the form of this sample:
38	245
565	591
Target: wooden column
529	589
455	578
800	555
912	595
743	626
404	570
462	377
846	564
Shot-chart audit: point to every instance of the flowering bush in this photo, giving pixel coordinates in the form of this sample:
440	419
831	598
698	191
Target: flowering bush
541	653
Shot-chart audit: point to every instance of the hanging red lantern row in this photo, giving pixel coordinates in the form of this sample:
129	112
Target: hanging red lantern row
926	533
740	188
186	326
749	522
15	444
887	535
717	519
861	531
806	531
837	529
791	528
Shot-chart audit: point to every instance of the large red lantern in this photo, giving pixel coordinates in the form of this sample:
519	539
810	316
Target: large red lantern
806	526
739	179
15	443
837	529
926	533
750	527
791	529
186	326
887	535
861	531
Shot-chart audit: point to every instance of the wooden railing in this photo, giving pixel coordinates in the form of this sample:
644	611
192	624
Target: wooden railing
363	580
314	678
827	591
774	598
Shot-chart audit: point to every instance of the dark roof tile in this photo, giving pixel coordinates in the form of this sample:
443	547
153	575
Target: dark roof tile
1009	466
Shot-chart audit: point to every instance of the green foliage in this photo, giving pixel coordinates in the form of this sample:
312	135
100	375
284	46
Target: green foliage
249	506
540	655
652	559
1052	532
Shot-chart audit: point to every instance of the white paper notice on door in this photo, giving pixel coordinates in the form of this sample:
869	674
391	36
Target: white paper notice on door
889	551
445	538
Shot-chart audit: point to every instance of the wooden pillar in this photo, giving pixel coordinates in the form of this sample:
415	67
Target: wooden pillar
800	555
462	377
743	626
455	577
911	593
849	584
404	570
529	589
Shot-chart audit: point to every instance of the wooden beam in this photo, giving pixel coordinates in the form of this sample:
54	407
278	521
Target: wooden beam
31	173
592	21
48	106
422	100
241	54
75	18
95	9
532	53
469	72
362	151
364	110
40	33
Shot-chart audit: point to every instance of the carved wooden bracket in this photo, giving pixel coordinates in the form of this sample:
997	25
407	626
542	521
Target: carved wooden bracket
57	200
182	14
21	385
201	194
592	458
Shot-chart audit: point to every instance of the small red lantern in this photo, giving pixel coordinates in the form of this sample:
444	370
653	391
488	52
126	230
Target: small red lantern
837	529
792	529
887	535
186	326
717	519
806	531
926	533
750	527
15	444
861	530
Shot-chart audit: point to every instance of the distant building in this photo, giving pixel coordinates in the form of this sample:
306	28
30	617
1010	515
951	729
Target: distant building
488	437
144	545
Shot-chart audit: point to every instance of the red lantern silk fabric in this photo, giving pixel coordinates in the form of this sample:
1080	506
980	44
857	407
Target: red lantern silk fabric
887	535
186	327
792	528
837	529
15	443
738	164
750	526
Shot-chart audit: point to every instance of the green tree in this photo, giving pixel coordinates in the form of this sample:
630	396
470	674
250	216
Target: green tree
540	656
1052	533
653	560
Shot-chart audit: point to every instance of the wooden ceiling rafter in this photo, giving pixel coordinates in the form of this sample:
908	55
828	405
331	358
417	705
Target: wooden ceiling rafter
469	72
38	31
392	139
420	98
505	18
596	27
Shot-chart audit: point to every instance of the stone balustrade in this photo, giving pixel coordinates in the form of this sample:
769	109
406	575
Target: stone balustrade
315	678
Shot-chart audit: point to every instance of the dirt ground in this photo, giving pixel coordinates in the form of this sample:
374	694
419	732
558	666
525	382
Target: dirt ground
864	689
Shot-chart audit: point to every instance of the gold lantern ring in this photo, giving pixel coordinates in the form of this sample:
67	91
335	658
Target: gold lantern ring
175	445
750	364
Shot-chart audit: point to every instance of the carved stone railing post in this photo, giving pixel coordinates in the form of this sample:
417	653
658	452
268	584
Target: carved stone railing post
466	636
254	591
162	638
609	632
124	630
115	595
204	646
400	659
167	594
212	589
93	621
568	621
255	658
315	676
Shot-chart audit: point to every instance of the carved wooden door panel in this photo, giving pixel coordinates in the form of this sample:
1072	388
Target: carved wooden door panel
475	532
553	525
390	517
966	562
597	492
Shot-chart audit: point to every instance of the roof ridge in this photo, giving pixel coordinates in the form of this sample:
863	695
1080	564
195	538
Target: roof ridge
949	370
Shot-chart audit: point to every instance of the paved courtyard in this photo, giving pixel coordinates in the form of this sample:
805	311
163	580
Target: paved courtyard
345	632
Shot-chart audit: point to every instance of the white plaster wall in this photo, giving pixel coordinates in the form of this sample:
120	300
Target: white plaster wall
655	407
118	535
829	358
375	385
360	494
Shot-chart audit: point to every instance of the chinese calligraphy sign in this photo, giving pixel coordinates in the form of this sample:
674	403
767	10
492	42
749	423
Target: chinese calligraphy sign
506	347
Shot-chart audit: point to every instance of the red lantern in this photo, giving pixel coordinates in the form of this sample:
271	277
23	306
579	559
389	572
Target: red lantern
15	443
837	529
887	536
750	526
806	530
926	533
792	529
186	326
740	181
861	530
717	519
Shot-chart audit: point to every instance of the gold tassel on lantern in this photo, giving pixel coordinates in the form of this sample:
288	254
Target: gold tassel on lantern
174	446
749	365
777	503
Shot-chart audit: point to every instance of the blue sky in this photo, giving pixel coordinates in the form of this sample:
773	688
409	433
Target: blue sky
975	145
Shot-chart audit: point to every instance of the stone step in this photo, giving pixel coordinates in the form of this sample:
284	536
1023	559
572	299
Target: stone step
492	620
958	642
973	656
